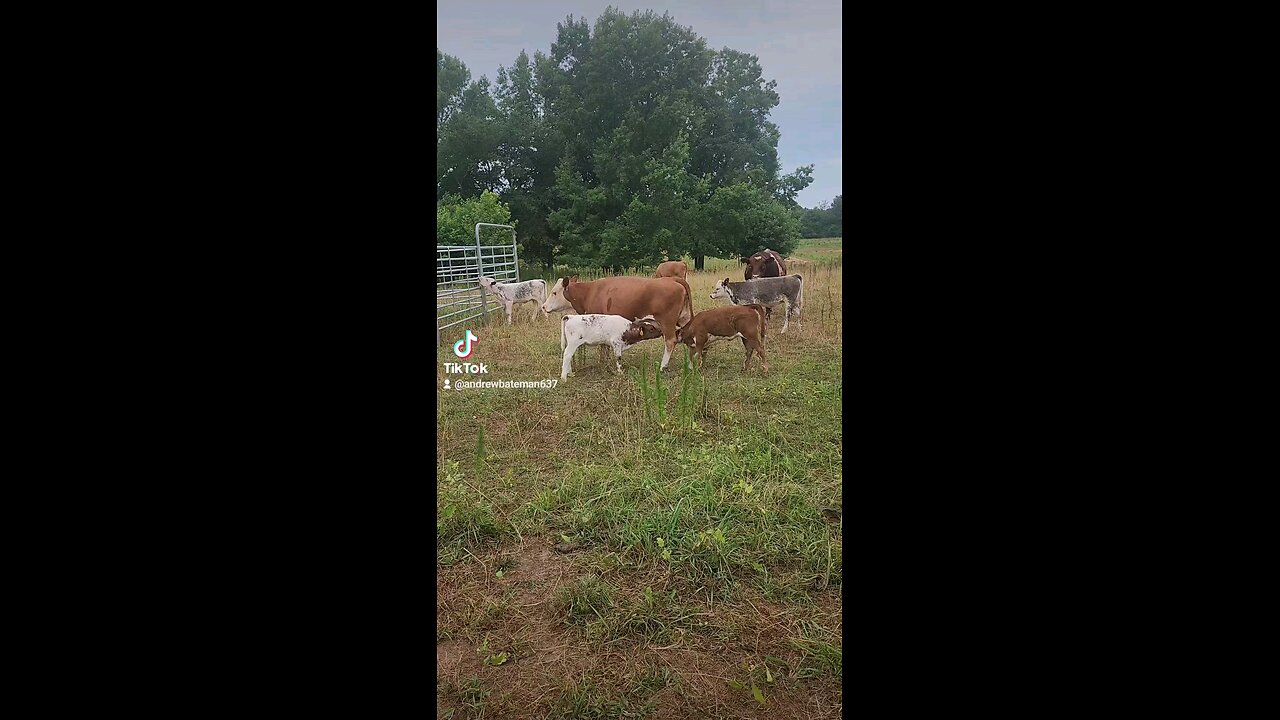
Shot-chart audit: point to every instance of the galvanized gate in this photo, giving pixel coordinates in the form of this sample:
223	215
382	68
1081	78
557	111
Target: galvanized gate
459	297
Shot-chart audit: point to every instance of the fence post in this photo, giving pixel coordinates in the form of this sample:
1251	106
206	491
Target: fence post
484	303
515	260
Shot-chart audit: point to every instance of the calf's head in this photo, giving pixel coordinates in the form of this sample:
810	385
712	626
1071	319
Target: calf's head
722	290
646	328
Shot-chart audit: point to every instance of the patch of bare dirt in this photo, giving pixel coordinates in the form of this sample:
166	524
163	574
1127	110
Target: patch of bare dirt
546	658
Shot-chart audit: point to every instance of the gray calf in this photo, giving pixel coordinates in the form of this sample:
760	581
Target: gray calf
766	291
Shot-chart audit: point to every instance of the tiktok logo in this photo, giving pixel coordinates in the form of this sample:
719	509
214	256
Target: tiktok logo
458	346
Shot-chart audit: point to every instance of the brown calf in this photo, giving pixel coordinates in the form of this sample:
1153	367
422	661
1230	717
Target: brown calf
673	268
668	300
744	321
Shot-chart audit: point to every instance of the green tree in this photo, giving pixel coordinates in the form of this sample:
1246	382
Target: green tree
742	219
607	148
456	220
468	129
452	77
619	98
527	156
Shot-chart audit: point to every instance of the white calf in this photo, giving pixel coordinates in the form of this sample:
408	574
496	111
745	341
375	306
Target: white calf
606	330
512	293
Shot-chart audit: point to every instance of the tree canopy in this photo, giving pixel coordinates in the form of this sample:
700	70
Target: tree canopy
628	143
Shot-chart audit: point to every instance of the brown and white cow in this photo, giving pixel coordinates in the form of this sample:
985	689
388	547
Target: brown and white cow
741	321
668	300
673	268
765	263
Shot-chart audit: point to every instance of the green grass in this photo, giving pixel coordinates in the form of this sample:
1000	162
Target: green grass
695	506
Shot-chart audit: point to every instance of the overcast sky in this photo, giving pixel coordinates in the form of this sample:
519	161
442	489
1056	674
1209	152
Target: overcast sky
798	43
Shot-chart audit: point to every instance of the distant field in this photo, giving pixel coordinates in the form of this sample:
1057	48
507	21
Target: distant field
608	553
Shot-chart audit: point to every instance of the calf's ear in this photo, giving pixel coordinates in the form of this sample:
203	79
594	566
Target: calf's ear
744	260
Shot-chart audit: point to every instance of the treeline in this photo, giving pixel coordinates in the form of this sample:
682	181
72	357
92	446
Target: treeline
630	143
822	221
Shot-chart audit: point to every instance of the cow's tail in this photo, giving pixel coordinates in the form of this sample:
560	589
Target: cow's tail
760	319
563	342
799	294
688	298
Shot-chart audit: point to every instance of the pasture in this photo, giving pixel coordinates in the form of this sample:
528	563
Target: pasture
627	547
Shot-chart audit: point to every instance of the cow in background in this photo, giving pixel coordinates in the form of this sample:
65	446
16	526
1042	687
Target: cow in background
765	263
673	268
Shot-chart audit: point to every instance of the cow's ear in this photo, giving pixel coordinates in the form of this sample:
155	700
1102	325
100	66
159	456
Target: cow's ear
744	260
726	281
573	279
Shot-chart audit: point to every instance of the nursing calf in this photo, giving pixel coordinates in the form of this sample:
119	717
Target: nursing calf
513	293
606	330
767	292
741	321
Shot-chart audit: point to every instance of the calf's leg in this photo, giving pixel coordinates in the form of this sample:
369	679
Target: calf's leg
617	355
569	350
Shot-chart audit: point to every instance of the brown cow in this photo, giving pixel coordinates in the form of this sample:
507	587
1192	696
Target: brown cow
673	268
765	263
743	321
631	297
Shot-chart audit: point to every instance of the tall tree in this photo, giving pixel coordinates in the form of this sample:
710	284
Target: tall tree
527	156
467	131
608	148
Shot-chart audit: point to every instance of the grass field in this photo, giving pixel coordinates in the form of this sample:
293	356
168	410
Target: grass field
612	549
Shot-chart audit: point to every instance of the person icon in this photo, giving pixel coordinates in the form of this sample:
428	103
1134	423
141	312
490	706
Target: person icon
446	383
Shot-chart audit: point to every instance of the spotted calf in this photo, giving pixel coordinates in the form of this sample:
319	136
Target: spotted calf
605	330
514	293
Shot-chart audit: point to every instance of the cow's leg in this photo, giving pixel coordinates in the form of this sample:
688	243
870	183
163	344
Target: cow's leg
670	341
569	350
786	318
764	359
508	304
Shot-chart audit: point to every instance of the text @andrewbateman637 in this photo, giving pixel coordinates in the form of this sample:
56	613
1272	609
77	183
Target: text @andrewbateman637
463	349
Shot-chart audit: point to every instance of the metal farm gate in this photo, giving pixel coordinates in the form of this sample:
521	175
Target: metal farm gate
459	297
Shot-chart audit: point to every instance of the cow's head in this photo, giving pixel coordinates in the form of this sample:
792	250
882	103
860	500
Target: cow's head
486	283
646	328
722	291
761	264
557	300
